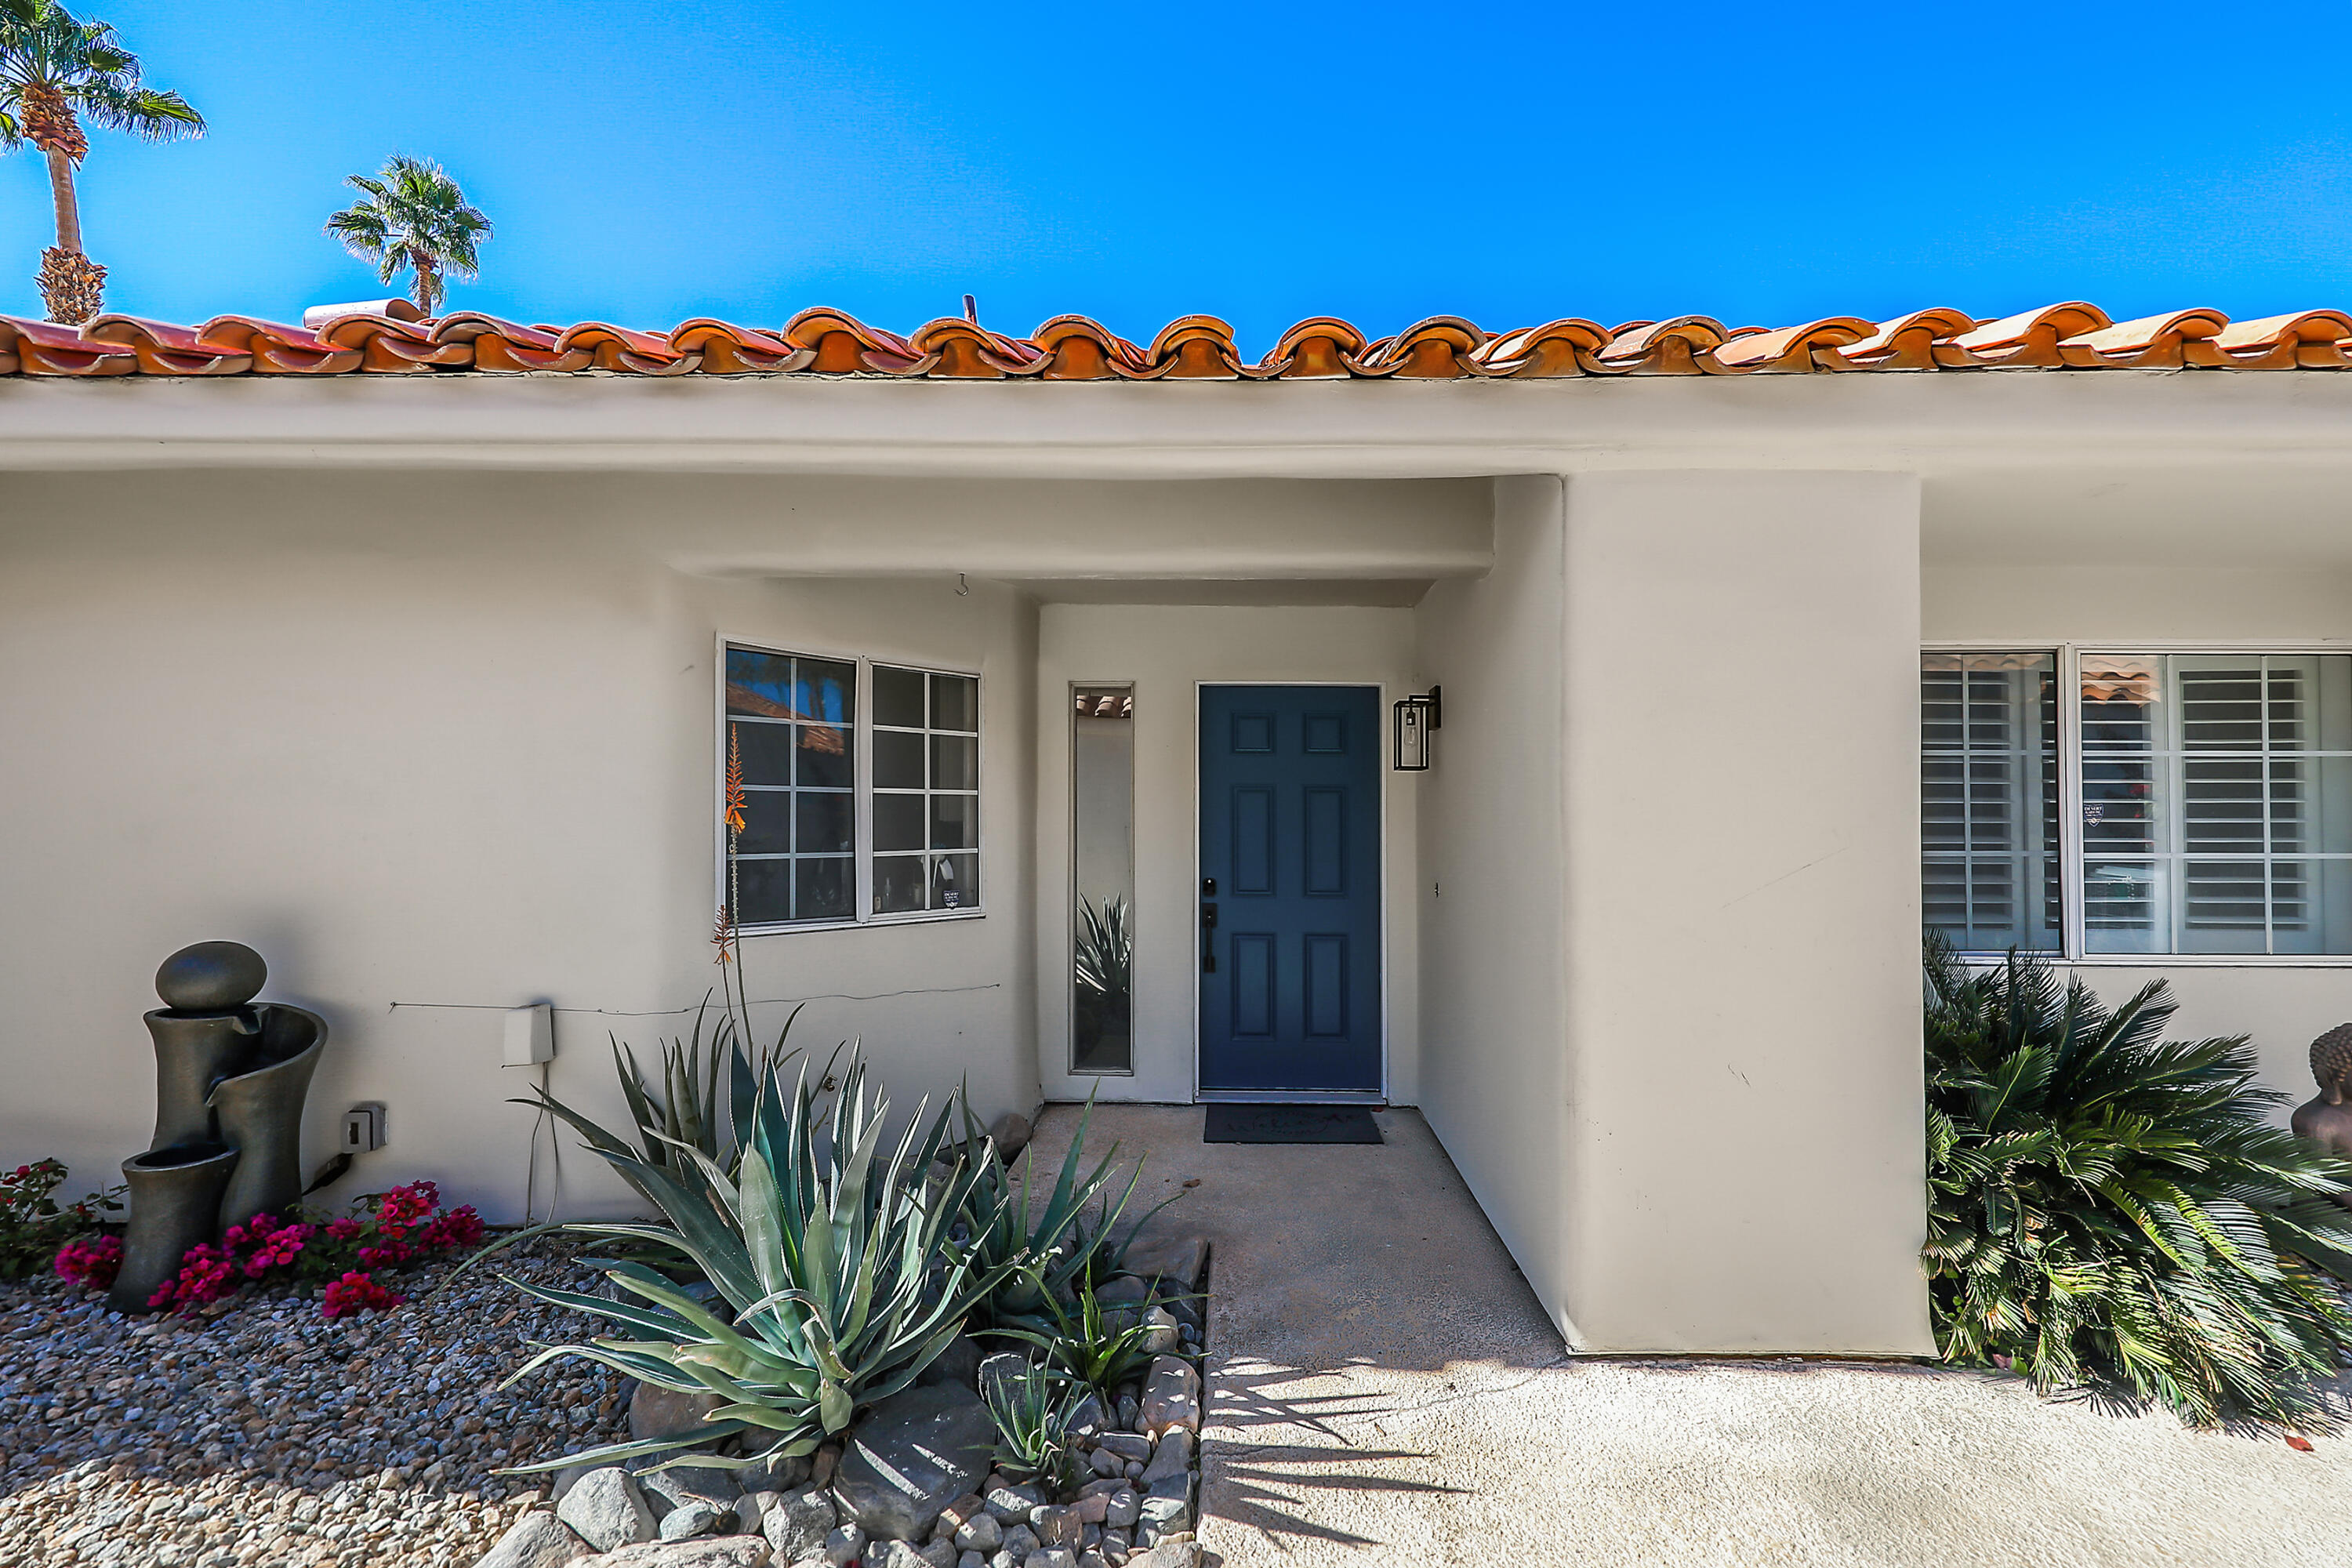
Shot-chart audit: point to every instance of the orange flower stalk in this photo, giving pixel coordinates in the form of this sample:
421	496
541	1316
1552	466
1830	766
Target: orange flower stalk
734	783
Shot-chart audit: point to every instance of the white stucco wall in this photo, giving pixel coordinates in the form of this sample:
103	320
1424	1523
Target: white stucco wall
1491	889
1743	1147
2233	587
1166	651
432	740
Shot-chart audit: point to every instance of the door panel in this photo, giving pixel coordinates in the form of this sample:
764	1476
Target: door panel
1290	912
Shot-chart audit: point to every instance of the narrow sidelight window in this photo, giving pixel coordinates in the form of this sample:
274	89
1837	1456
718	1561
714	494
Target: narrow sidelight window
1989	799
926	791
791	727
1102	792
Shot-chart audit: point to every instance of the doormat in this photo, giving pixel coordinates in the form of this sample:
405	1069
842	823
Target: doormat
1289	1124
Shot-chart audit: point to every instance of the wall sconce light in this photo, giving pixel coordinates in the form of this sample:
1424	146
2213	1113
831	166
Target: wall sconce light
1415	718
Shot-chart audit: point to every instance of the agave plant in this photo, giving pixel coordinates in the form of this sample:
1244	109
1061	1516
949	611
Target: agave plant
836	1276
1034	1411
1087	1345
1045	1252
1105	953
2107	1208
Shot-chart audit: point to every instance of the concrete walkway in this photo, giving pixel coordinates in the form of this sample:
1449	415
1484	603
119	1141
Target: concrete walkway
1384	1389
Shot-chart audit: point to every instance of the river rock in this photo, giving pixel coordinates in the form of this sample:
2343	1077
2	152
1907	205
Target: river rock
1171	1459
960	1363
538	1539
1012	1133
1123	1508
1127	1445
1173	1261
1057	1527
1171	1397
605	1510
844	1546
1011	1505
797	1525
1169	1554
915	1453
659	1413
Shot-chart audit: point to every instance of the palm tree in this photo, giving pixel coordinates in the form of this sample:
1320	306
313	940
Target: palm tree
413	218
58	74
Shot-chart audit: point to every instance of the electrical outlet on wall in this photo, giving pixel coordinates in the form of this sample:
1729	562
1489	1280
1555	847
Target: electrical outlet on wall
363	1130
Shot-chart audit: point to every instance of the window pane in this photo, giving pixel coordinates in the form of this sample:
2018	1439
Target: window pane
824	756
1988	798
955	881
897	884
828	690
767	823
899	697
955	822
824	826
765	751
2222	777
898	822
823	889
955	704
898	760
759	684
763	889
955	762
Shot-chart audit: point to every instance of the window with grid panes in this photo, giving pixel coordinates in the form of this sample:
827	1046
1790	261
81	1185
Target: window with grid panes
2217	804
926	793
1989	799
791	727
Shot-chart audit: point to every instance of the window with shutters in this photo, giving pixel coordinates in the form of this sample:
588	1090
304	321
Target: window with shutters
2101	802
1989	799
850	791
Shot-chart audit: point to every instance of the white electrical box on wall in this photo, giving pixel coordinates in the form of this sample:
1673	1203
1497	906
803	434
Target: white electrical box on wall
531	1035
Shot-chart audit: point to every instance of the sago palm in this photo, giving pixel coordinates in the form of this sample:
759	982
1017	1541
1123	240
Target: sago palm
412	218
2111	1209
58	76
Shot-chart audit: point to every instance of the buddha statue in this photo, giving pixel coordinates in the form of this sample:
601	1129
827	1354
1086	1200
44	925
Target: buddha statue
2326	1120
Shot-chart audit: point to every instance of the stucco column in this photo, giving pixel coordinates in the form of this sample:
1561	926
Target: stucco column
1743	1162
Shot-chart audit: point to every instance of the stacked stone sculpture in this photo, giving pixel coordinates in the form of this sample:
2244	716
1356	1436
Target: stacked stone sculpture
230	1078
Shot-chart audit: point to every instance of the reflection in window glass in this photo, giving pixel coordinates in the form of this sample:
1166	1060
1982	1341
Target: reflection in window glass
1989	799
1103	794
790	723
926	791
2217	804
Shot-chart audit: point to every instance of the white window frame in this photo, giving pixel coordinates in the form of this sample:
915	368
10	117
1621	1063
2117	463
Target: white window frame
861	788
2070	655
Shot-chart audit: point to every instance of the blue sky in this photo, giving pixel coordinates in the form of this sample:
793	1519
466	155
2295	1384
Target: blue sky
1260	162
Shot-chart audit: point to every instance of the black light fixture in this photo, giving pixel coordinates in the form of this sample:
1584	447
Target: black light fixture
1415	717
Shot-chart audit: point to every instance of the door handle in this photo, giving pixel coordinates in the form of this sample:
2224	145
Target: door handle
1208	917
1208	937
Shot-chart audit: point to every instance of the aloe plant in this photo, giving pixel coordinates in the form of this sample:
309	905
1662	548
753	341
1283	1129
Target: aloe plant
1034	1410
837	1277
1045	1252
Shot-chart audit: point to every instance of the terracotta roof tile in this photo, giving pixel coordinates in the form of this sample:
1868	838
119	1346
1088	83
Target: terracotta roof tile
2066	337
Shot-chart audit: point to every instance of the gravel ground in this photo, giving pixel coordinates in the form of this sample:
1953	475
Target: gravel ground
260	1435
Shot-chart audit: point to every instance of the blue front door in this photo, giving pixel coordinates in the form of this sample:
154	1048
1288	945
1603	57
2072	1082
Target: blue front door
1290	889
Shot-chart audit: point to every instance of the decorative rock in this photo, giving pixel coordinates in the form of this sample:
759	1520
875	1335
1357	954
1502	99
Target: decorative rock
1003	1560
1057	1527
658	1413
1174	1261
1162	1516
682	1485
1010	1133
1089	1418
211	977
781	1475
797	1526
972	1560
538	1539
822	1463
1161	1337
1125	1444
914	1453
1020	1541
710	1551
1090	1508
1123	1510
1104	1462
938	1554
1171	1397
844	1546
960	1363
1054	1559
1171	1459
685	1522
751	1511
1130	1412
1011	1505
980	1532
895	1554
1170	1555
1092	1560
605	1510
1003	1370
